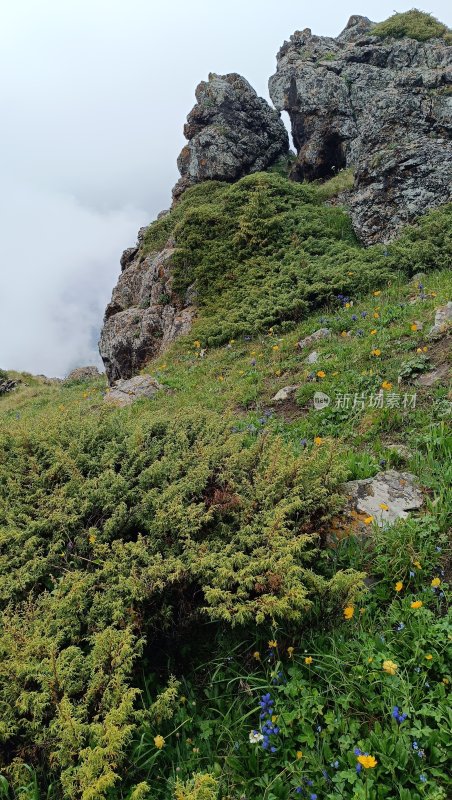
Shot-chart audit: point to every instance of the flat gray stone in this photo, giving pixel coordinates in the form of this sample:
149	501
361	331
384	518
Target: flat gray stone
125	392
397	492
435	376
285	393
312	357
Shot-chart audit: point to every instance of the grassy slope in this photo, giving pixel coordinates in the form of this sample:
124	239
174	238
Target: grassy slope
234	393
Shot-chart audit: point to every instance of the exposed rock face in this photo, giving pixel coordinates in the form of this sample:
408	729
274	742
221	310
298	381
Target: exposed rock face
144	314
231	132
380	106
123	393
8	385
443	321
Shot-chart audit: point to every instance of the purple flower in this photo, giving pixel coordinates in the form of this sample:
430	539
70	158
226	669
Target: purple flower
313	797
364	314
354	317
357	751
299	789
398	716
303	442
359	767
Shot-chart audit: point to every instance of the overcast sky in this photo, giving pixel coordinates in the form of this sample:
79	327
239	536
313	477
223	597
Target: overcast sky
94	94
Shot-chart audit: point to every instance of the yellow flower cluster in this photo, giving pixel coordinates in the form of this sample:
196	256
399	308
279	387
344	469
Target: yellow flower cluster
389	667
368	762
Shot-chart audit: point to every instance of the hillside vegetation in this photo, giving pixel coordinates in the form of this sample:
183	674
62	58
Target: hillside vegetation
183	613
413	24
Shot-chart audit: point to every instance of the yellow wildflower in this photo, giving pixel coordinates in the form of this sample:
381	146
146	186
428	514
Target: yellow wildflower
274	718
344	333
376	352
290	651
257	655
299	754
384	507
272	643
308	660
390	667
318	440
413	327
221	377
368	762
399	586
446	681
429	656
436	582
92	538
373	331
277	372
347	305
348	612
386	385
417	564
159	742
378	293
368	520
417	604
321	373
275	347
376	315
232	341
369	660
197	343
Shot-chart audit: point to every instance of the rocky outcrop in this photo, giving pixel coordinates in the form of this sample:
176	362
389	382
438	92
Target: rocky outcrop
381	106
7	385
144	314
231	132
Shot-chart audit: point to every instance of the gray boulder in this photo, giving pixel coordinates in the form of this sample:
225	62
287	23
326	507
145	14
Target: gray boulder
308	341
123	393
381	106
443	321
144	315
386	498
285	393
231	132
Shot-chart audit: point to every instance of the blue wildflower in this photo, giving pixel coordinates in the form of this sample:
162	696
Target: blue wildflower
400	626
357	751
354	317
335	764
415	746
313	797
303	442
299	789
398	716
423	778
364	314
359	767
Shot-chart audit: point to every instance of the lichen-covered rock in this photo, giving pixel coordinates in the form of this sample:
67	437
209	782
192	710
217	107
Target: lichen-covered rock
386	498
231	132
381	106
144	315
123	393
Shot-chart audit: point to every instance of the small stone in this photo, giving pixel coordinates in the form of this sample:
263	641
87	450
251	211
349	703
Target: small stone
321	333
312	357
125	392
285	393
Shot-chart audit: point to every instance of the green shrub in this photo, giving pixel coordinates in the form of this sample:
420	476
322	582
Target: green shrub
412	24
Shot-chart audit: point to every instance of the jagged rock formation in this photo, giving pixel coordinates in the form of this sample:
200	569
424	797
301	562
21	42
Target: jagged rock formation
381	106
231	132
7	385
144	314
